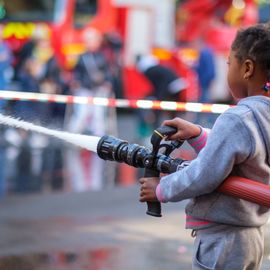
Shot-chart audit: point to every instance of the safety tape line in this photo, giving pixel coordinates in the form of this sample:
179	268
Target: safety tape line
112	102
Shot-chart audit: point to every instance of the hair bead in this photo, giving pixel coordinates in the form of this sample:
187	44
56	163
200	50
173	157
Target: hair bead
266	87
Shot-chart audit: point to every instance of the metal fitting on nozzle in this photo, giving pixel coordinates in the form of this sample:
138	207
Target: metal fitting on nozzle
108	146
114	149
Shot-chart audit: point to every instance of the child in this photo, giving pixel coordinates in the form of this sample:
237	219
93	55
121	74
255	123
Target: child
228	230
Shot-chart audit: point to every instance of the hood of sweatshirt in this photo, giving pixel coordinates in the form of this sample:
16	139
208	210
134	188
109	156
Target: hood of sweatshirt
260	106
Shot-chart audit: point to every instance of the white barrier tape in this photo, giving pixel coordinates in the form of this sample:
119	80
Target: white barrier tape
111	102
145	104
194	107
168	105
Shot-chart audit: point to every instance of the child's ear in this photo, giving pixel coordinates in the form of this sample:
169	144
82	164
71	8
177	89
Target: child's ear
249	68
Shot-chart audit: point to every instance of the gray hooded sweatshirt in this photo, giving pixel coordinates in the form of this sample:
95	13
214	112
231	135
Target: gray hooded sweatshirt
238	144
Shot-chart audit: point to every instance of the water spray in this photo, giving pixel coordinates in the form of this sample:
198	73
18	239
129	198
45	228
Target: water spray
83	141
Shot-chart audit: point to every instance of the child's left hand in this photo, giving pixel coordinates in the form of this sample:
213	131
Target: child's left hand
148	189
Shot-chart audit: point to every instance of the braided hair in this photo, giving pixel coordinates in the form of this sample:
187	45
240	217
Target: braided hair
254	43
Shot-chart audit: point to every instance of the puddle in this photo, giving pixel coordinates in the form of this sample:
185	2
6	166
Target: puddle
154	255
104	258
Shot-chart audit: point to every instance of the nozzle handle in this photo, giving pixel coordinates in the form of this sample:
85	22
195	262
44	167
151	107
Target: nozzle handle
166	130
153	208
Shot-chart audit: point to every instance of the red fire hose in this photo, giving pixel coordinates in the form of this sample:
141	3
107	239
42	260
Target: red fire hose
246	189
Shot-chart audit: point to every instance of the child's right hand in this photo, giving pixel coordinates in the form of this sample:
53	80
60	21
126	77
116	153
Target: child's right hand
185	129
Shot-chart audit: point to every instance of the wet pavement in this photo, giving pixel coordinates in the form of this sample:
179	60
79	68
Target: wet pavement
93	230
99	230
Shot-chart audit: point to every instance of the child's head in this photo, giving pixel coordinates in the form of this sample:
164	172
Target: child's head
249	62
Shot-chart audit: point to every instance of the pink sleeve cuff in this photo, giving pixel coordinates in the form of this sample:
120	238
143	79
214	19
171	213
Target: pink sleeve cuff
199	142
159	194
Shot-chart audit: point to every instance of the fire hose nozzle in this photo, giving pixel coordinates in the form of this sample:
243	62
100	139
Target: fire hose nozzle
114	149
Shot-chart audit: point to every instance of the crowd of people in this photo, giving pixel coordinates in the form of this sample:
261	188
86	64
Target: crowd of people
32	162
38	163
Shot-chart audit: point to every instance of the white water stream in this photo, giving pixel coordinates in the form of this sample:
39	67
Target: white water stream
84	141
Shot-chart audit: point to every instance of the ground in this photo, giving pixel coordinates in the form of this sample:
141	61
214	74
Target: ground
96	231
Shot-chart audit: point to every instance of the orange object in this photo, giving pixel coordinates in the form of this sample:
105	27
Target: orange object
127	175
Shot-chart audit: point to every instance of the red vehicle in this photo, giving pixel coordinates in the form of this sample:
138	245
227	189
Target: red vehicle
219	20
65	21
143	26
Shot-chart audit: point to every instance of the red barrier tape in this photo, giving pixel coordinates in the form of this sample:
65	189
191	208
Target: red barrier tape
119	103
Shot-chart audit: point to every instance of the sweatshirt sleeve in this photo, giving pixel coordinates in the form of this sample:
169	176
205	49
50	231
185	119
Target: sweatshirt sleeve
199	142
228	144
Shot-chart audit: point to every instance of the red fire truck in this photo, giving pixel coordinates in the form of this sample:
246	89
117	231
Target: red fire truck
143	25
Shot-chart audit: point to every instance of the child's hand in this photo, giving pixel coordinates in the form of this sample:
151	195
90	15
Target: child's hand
148	189
185	129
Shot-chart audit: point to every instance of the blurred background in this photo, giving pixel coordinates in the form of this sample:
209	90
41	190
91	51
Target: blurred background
62	207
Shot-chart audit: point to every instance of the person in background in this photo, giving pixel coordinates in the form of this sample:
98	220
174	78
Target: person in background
6	58
91	78
53	116
229	231
166	86
24	179
111	48
3	162
6	72
31	47
164	80
6	69
206	70
92	69
29	82
30	72
38	71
